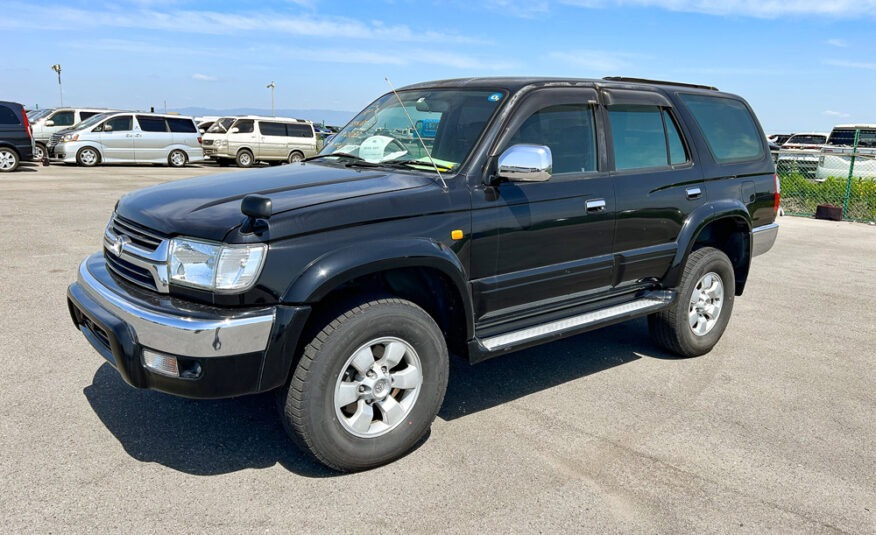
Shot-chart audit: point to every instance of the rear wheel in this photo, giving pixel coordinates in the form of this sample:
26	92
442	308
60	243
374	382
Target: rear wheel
368	385
8	160
695	321
177	158
296	156
39	151
88	157
245	158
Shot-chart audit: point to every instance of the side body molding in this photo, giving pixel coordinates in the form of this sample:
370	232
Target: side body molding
341	265
709	212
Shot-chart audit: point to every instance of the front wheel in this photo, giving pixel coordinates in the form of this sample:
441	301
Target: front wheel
88	157
245	158
39	151
295	156
368	385
695	321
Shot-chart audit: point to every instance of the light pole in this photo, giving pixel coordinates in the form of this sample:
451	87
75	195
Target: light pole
57	68
272	85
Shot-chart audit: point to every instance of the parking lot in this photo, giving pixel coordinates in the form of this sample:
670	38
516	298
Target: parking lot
774	430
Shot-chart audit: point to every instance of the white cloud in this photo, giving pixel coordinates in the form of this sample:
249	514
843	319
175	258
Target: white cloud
204	77
850	64
600	61
835	113
519	8
837	42
752	8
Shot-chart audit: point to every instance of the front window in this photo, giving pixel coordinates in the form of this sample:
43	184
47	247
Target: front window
448	121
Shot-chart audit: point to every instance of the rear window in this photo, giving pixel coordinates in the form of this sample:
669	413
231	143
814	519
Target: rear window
808	139
182	125
7	116
152	124
272	129
846	137
730	130
299	130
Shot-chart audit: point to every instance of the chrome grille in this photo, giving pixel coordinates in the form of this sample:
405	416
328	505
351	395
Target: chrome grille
55	139
138	234
128	271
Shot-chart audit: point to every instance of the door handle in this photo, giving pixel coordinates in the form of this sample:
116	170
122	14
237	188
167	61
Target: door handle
694	193
595	205
138	135
127	135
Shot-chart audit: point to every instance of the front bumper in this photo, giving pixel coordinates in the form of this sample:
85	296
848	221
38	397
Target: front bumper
221	352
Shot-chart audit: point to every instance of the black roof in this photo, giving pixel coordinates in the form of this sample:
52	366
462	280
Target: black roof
514	83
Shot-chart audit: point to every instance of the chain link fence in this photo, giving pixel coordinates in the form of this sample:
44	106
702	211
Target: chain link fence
838	176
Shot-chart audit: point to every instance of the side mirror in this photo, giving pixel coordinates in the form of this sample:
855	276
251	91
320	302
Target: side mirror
203	130
107	128
235	130
526	163
256	206
50	123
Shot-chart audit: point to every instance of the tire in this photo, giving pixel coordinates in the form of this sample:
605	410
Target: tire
177	158
295	156
695	321
39	151
9	160
245	158
363	335
88	157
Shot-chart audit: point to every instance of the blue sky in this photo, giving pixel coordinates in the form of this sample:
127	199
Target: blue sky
802	64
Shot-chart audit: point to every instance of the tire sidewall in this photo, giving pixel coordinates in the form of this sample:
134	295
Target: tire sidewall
42	148
716	262
327	434
79	157
292	155
248	154
17	160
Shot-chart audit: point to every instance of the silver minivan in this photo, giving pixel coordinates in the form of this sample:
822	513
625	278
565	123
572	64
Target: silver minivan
251	138
129	137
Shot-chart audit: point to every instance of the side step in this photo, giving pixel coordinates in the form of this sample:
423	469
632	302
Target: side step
581	322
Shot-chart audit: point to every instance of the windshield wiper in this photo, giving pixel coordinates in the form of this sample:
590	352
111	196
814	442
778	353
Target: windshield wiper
415	164
354	160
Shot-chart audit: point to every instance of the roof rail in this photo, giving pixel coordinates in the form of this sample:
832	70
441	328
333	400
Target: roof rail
659	82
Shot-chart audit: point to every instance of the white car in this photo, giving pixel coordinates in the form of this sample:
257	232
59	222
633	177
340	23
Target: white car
800	153
129	137
836	156
251	138
59	119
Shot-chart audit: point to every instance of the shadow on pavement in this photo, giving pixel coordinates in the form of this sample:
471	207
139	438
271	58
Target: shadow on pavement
204	437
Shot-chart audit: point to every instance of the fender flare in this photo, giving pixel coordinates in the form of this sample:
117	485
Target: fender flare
341	265
695	223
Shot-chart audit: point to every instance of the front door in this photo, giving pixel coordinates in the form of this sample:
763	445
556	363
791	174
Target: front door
541	246
117	138
272	140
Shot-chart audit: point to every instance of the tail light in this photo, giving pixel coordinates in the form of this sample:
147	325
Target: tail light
200	140
26	123
778	192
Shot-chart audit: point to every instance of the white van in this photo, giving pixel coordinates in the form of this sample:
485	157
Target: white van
836	156
253	138
59	119
129	137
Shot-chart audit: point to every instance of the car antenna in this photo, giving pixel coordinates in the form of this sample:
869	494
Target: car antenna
428	154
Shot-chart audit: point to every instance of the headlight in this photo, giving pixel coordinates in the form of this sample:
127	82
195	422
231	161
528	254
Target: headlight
69	137
220	142
215	266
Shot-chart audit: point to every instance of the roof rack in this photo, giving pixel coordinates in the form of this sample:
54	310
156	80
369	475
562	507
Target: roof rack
659	82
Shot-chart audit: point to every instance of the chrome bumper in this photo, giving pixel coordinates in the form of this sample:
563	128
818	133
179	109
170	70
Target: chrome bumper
763	238
180	332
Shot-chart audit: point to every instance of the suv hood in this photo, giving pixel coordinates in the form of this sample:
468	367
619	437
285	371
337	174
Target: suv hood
208	207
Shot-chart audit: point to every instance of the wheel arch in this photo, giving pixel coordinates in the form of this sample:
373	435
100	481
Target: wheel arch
725	225
96	147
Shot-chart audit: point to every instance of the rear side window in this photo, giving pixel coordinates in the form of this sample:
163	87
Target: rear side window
638	136
182	125
272	129
244	126
298	130
152	124
846	137
62	118
568	130
7	116
729	129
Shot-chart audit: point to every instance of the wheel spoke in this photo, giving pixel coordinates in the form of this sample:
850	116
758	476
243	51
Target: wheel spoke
695	296
363	360
393	354
693	316
392	411
407	378
361	419
347	393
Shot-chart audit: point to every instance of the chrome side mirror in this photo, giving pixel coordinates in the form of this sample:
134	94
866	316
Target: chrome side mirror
235	130
526	163
50	123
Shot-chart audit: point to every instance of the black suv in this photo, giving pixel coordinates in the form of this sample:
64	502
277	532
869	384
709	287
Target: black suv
475	216
16	140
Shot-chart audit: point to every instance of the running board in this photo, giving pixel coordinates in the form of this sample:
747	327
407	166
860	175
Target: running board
623	311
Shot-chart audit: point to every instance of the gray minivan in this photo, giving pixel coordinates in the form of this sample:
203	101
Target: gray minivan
129	137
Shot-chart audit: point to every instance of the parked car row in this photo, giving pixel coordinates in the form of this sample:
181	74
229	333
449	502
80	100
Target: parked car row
93	136
819	156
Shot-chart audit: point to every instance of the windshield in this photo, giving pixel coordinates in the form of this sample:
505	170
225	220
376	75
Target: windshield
221	126
33	115
449	121
91	121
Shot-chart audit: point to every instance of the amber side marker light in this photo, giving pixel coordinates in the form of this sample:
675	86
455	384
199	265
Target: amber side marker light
456	234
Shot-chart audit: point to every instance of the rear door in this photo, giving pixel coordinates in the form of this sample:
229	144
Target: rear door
656	181
151	143
184	132
117	137
272	140
12	128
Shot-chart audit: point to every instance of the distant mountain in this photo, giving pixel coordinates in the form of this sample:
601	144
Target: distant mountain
331	117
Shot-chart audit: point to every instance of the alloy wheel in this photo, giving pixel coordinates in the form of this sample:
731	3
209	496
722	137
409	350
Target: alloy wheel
706	302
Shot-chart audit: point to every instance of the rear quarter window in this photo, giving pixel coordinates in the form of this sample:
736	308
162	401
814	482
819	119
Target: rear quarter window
182	125
7	116
730	131
152	124
298	130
